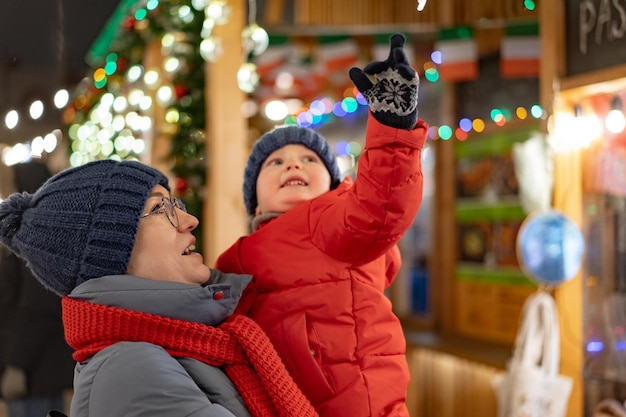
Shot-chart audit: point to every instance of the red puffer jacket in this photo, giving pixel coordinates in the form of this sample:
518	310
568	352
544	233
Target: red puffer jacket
320	271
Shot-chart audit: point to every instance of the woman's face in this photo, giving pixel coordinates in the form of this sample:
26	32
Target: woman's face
163	252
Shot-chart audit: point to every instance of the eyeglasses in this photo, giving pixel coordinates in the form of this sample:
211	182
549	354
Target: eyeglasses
168	207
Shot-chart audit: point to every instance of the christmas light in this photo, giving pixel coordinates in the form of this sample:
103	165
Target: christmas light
11	119
36	109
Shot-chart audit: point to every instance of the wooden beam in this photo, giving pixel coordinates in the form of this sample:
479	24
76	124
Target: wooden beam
444	239
602	81
224	214
567	197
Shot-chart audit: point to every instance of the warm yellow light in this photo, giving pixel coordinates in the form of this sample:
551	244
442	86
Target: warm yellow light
478	125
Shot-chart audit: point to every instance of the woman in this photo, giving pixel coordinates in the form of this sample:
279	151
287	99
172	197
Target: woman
150	324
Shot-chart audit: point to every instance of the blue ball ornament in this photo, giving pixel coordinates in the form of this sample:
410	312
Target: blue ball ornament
550	247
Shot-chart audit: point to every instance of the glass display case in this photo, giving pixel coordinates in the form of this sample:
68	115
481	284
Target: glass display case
604	273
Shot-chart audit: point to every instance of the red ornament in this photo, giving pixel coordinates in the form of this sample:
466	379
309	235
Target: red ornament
129	23
180	91
181	184
122	65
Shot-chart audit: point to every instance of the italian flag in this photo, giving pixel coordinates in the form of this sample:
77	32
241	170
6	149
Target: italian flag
278	53
459	54
337	53
520	51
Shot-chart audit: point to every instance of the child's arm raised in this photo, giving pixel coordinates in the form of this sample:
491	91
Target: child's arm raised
367	219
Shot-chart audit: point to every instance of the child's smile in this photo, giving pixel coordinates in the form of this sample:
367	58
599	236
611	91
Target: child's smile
289	176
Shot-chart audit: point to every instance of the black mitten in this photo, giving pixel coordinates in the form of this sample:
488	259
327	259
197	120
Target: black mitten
392	97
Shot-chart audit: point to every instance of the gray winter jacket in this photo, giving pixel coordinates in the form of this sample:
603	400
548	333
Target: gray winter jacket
134	379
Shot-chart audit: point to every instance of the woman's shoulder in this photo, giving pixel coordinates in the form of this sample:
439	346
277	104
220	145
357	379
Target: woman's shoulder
127	360
126	373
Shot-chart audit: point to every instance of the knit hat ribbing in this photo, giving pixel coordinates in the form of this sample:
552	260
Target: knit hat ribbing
276	139
81	224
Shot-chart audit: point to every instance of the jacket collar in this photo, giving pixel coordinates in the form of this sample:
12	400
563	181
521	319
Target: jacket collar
208	304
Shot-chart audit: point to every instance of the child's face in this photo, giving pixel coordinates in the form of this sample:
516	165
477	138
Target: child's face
289	176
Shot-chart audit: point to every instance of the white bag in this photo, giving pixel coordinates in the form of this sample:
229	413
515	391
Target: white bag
531	385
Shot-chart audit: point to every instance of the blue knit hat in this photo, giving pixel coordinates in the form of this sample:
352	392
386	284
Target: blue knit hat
276	139
81	223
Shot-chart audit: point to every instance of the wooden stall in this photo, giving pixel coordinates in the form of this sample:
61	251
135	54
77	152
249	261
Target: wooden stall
460	299
590	83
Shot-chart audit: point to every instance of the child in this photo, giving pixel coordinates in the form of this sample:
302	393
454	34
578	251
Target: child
150	324
322	251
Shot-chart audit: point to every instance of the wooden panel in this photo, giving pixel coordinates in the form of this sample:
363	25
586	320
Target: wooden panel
489	311
446	386
335	15
274	12
358	12
569	295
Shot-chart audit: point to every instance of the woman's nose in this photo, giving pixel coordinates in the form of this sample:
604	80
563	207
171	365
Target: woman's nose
187	222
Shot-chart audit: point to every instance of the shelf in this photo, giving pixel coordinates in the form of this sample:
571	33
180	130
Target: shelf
476	210
501	140
499	275
482	352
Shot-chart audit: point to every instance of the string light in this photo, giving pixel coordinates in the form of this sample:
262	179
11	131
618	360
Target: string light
36	109
592	120
529	5
615	121
11	119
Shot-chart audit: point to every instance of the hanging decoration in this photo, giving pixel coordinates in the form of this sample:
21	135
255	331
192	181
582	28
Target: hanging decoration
291	78
216	12
533	161
520	50
254	40
550	247
458	54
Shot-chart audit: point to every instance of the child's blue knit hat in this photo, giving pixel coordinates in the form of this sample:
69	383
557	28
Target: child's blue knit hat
81	223
276	139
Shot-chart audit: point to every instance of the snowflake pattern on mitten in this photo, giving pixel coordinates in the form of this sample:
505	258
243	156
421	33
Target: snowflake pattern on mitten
393	93
390	87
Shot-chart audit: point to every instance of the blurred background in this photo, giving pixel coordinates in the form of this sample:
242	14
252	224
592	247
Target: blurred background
43	45
188	86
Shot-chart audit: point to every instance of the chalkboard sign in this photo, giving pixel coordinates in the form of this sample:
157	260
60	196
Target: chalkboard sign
595	35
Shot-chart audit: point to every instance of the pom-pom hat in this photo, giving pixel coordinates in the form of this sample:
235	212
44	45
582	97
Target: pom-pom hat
276	139
80	224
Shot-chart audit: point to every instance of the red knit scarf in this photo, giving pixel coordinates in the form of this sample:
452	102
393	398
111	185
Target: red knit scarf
238	345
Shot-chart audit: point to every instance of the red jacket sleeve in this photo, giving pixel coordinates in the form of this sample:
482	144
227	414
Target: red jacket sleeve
359	223
393	261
